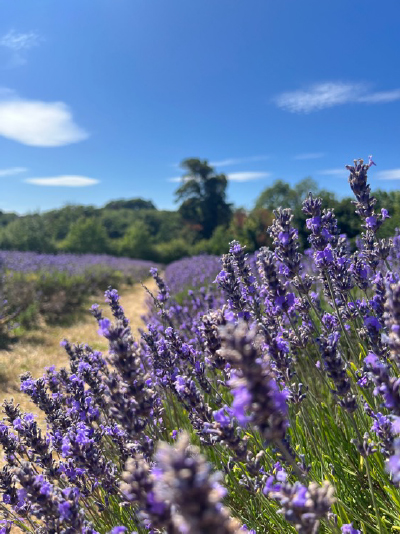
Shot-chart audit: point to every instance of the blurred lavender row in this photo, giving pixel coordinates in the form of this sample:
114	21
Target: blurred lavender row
71	263
191	273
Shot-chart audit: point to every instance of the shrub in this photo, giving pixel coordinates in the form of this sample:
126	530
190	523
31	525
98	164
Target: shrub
172	250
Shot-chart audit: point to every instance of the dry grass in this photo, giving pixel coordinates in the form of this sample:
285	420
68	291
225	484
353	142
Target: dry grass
41	348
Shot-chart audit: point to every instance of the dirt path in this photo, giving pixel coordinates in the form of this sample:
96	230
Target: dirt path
41	348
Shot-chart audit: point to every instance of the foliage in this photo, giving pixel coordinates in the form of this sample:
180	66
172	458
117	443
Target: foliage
172	250
137	242
86	236
135	204
27	234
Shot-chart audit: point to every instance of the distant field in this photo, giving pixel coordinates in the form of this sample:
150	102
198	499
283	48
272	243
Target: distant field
50	288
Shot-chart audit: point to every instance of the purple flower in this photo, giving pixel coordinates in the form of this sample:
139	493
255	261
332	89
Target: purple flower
240	404
64	509
300	497
236	248
66	447
324	257
393	464
223	416
180	384
371	221
46	489
28	385
284	237
245	529
372	322
372	359
18	424
348	529
313	223
104	325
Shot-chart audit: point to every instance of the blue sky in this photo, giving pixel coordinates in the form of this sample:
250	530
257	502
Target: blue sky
102	99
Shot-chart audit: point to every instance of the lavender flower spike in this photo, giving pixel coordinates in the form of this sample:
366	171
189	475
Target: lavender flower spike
301	505
254	387
392	319
186	481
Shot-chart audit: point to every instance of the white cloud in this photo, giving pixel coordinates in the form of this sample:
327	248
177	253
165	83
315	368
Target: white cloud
391	174
37	123
247	176
20	41
63	181
177	179
310	155
12	171
329	94
333	172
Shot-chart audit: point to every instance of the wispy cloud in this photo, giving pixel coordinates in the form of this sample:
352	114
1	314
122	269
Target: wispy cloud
63	181
19	43
333	172
330	94
310	155
247	176
390	174
230	161
237	161
244	176
37	123
380	97
12	171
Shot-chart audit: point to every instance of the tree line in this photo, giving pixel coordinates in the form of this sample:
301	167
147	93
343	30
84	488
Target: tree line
204	222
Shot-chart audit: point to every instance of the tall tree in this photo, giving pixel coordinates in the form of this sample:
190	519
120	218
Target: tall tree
203	197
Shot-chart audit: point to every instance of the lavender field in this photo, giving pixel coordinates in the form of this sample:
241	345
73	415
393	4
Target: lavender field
54	286
261	396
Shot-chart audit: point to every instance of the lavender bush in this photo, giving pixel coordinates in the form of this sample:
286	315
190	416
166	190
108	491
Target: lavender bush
267	401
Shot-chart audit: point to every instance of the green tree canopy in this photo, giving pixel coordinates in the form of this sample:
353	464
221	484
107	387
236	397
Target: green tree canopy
29	233
203	197
130	204
281	194
137	242
87	236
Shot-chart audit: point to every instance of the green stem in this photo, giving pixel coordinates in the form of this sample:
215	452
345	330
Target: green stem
340	318
289	458
371	488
